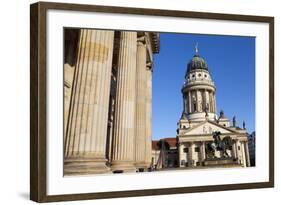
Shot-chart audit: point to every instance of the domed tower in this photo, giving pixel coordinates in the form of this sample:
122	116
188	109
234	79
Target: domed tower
199	93
199	123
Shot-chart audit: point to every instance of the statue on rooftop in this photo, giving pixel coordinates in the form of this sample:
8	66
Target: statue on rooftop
234	121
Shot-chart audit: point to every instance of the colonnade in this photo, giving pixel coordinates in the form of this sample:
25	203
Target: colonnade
239	152
86	133
199	100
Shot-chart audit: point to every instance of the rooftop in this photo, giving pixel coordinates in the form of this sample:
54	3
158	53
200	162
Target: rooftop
169	141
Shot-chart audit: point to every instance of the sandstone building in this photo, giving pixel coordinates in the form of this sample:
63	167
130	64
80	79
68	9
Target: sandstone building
199	122
107	100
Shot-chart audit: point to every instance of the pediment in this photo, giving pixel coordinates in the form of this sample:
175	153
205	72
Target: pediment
208	128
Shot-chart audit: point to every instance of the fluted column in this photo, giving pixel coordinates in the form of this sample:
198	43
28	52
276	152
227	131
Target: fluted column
85	140
203	100
148	114
197	100
215	103
184	104
211	101
203	154
181	153
141	115
191	154
123	153
207	100
243	153
189	102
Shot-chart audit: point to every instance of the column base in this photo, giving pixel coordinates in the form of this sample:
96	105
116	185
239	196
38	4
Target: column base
147	164
140	165
122	166
85	166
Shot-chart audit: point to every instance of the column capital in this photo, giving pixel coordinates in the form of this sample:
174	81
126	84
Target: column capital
180	143
141	41
149	66
190	143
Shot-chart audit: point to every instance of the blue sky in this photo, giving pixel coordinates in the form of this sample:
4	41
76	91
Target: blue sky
231	62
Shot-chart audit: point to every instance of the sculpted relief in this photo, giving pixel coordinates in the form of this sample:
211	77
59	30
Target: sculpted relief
207	129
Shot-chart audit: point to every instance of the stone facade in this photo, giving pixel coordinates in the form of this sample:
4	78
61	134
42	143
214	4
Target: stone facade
199	122
107	100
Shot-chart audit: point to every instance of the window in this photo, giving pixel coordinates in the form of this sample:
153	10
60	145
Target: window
182	162
194	107
193	75
199	75
205	76
197	149
185	149
169	162
197	163
238	147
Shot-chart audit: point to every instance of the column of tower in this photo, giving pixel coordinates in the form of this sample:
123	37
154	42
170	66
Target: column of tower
85	138
189	102
123	152
197	100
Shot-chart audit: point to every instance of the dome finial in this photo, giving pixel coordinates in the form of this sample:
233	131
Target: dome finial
196	48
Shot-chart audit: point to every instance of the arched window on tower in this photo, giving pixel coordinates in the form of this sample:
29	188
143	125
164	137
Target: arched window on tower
194	102
203	100
194	107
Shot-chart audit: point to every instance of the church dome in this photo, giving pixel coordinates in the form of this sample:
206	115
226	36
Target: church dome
197	63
